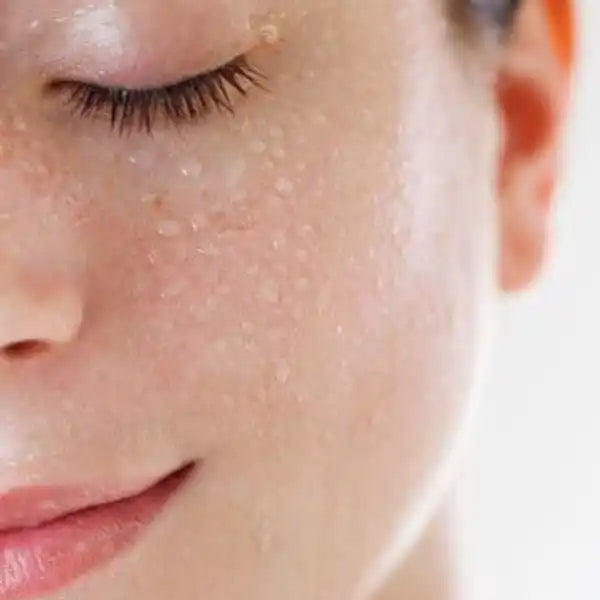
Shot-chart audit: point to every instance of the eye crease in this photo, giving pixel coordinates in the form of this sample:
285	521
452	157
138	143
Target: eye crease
500	12
188	100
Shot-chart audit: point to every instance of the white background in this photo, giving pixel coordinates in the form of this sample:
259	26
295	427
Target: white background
534	470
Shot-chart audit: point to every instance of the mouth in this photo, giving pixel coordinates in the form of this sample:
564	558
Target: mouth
51	536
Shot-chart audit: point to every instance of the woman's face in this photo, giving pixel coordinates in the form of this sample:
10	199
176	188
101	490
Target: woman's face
292	296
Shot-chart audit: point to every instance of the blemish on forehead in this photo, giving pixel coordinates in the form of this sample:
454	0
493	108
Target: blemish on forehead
104	27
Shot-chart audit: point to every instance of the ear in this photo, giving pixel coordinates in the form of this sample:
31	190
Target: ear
532	96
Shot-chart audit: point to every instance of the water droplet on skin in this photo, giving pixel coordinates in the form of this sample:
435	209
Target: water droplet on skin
262	537
191	168
322	300
169	229
319	118
302	284
269	291
34	25
247	327
199	221
278	152
152	199
208	250
236	171
270	33
308	74
257	146
297	313
279	239
141	158
239	196
282	371
175	288
19	124
284	186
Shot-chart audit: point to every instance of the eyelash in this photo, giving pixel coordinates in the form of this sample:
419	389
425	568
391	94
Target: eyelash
188	100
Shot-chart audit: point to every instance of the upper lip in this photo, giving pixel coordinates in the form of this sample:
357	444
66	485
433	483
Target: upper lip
25	507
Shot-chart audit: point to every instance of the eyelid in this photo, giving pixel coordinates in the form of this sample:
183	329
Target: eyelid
189	99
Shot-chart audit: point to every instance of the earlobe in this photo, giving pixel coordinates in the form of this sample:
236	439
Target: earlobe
531	96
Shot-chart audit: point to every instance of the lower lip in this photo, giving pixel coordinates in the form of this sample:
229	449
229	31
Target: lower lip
42	560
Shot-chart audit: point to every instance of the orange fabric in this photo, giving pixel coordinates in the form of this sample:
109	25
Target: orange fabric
562	29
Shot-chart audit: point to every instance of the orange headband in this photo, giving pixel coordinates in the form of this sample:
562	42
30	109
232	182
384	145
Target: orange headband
562	29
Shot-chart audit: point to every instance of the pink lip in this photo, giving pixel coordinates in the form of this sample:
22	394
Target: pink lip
51	536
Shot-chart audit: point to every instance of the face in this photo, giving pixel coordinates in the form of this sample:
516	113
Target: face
294	296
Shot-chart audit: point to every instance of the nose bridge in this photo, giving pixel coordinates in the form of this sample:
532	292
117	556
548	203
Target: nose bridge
41	261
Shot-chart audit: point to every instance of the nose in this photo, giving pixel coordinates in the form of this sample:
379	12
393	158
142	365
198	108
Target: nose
38	310
42	252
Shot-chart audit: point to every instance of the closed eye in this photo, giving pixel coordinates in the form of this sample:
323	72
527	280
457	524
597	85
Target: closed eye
187	100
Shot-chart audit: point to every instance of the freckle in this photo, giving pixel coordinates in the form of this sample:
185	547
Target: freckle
169	229
284	186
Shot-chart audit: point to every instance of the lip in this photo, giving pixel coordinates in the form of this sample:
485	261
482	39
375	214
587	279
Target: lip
50	536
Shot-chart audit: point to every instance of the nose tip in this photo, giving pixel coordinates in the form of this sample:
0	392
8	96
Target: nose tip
35	319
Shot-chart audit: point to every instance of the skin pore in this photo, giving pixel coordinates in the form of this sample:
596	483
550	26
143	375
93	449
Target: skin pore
296	296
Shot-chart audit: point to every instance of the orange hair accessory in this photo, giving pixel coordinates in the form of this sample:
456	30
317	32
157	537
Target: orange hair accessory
562	29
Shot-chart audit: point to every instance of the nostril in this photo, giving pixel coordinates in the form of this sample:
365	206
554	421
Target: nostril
25	348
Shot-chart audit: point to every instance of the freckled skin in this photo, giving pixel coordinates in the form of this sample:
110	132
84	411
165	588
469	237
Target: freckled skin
312	332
